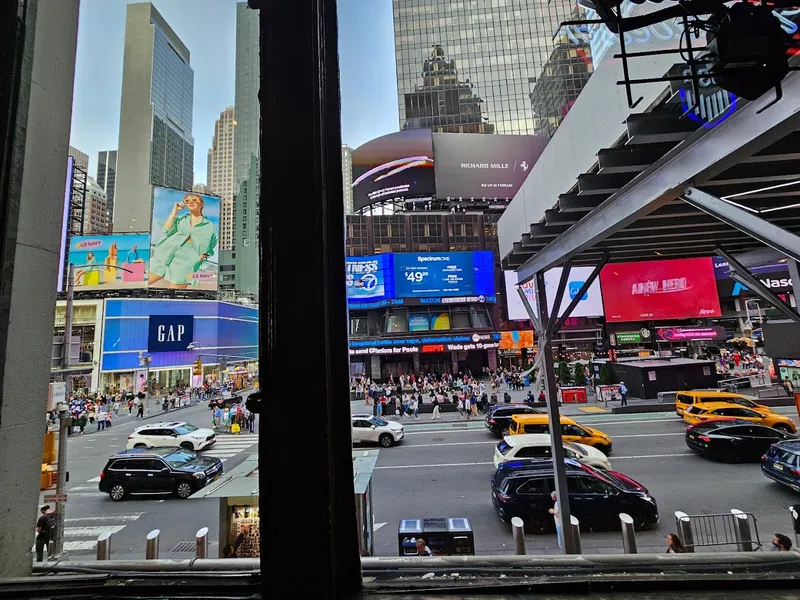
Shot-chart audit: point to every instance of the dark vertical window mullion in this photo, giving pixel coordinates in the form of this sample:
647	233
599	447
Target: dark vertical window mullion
302	263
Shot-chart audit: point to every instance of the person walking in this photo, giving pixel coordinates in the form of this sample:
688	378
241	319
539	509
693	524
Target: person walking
623	392
108	419
140	409
101	418
460	407
554	511
414	408
436	414
251	422
44	531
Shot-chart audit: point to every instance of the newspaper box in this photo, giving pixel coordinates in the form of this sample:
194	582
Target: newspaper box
444	536
573	395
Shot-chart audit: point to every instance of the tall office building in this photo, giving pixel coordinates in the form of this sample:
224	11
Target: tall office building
246	156
156	147
95	209
220	173
81	158
498	48
201	188
107	177
347	178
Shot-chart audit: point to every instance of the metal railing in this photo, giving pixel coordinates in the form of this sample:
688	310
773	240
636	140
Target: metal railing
736	528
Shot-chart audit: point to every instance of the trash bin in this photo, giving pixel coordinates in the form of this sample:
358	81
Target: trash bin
573	395
445	536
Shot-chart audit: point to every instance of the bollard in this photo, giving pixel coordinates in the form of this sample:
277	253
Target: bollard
684	525
104	546
201	543
575	532
744	535
628	534
518	528
152	545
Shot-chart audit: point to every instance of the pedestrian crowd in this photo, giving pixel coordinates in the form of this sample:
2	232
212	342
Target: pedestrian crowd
233	419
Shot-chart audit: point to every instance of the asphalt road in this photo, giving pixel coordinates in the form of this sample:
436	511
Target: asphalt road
443	470
90	513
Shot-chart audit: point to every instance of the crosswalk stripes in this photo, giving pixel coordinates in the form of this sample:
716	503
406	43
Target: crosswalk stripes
80	533
229	445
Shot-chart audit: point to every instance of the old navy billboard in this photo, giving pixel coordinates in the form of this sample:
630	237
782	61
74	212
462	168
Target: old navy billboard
660	290
420	278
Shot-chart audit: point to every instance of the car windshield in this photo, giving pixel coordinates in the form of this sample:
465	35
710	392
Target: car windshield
575	448
180	458
695	410
185	428
378	421
503	447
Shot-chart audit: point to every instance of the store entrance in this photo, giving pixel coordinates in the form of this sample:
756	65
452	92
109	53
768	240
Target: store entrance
395	366
436	362
472	361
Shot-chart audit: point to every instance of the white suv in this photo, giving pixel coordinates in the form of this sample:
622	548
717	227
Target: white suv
368	428
173	433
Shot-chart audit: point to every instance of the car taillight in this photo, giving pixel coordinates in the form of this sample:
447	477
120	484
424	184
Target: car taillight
503	497
130	437
796	472
705	438
492	421
102	475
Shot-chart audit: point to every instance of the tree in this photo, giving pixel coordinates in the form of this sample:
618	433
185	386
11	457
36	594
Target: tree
564	373
579	377
605	376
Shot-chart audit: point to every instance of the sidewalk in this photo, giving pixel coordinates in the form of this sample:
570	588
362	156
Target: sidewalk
517	396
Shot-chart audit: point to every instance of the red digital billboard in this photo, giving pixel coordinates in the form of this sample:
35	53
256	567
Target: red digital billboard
682	288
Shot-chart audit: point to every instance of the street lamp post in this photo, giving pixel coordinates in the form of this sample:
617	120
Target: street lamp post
64	422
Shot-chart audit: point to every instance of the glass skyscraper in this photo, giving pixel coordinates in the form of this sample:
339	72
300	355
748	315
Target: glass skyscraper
471	65
107	177
156	147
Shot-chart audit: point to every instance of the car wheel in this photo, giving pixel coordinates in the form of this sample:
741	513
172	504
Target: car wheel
140	445
640	522
117	492
730	455
782	427
504	433
538	525
184	490
385	440
187	446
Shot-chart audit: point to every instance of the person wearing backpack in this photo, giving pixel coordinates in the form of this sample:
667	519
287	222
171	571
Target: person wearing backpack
44	531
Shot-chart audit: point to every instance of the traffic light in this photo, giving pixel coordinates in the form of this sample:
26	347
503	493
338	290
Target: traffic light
197	367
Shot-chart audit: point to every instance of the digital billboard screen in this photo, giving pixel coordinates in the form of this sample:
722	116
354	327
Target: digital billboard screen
656	290
420	278
443	274
184	241
111	262
774	275
590	304
369	278
474	166
398	165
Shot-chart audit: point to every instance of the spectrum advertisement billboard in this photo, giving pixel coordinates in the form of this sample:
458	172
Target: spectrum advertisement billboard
110	262
474	166
420	278
657	290
184	241
590	304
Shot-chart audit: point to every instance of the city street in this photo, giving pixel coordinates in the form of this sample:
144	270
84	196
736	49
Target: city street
443	470
90	512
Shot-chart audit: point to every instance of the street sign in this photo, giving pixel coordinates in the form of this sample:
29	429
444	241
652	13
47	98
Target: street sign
56	498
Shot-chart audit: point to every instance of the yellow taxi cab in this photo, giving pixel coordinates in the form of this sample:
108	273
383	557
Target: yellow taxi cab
689	398
706	411
570	431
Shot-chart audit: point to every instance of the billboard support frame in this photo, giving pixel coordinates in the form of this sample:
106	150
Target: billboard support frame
562	285
742	275
584	288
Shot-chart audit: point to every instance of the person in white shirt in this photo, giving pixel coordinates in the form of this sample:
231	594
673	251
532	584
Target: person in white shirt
554	511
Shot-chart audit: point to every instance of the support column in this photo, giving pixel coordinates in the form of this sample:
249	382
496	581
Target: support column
554	417
416	363
36	84
454	362
492	359
794	274
375	366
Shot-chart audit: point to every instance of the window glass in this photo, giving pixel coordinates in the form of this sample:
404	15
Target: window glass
503	448
537	428
573	430
135	464
684	398
153	464
591	485
480	318
460	320
533	452
534	486
184	429
378	421
180	458
397	321
361	423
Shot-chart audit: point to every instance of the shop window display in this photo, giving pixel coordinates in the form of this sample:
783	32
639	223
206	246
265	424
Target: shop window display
246	531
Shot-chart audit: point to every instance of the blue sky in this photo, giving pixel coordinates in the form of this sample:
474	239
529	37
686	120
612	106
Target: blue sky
208	28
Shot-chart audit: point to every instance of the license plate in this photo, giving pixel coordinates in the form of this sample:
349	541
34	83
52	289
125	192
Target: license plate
777	466
691	437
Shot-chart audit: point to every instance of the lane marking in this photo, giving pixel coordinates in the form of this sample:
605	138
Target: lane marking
461	464
475	430
74	546
641	435
593	409
651	456
91	531
81	488
100	519
423	446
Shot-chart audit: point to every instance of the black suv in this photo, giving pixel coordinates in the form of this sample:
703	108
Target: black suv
522	489
157	471
498	416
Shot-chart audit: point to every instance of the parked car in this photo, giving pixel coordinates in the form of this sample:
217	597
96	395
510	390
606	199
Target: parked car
713	410
173	433
733	441
498	416
538	446
781	463
163	471
570	431
371	429
522	489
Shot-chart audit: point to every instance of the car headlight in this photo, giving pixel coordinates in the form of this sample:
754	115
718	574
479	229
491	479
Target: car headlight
648	498
200	475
